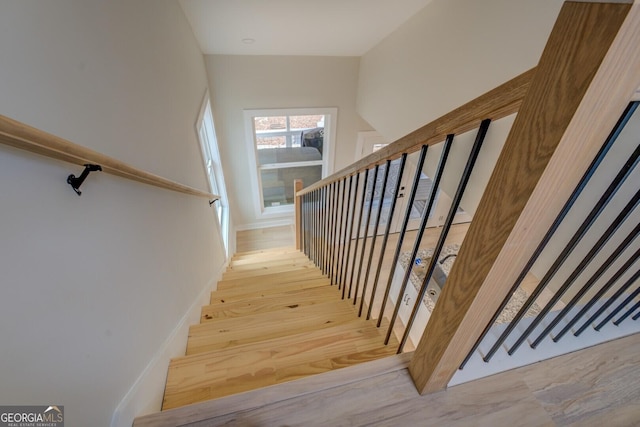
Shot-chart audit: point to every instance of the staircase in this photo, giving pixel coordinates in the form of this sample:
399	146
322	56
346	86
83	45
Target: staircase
274	318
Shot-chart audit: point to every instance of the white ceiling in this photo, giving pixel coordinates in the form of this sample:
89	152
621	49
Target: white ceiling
296	27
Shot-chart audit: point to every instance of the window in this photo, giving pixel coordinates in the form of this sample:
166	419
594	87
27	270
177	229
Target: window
287	145
213	166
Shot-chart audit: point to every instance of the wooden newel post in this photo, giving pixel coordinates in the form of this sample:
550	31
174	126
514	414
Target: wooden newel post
297	186
584	80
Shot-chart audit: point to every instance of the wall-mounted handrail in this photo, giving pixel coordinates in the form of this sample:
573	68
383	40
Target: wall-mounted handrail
25	137
500	102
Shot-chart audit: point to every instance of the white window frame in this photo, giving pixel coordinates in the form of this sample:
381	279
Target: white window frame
211	161
327	162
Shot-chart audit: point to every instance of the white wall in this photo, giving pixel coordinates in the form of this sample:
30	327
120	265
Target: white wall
447	54
444	56
93	287
254	82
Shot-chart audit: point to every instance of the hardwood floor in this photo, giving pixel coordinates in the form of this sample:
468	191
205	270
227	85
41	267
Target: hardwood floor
265	238
597	386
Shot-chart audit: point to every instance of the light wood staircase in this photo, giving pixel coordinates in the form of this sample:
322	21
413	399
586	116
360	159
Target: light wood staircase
274	318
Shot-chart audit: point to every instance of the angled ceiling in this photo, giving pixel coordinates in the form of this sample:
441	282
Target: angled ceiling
295	27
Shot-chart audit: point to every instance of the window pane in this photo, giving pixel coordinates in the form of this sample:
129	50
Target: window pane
306	122
270	123
268	142
277	184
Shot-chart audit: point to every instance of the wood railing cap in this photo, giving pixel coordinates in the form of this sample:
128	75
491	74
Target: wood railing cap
495	104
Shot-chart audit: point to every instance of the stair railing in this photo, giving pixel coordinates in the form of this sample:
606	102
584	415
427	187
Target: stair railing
567	105
341	217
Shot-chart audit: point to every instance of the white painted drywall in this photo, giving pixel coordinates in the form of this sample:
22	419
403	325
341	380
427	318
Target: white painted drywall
255	82
447	54
93	287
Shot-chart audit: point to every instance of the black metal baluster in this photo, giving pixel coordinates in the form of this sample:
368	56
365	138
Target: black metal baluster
326	213
355	251
589	283
309	224
316	219
319	211
303	246
617	310
334	232
366	231
584	227
383	247
423	224
403	228
350	234
627	314
375	234
636	317
343	232
321	200
300	242
613	280
576	272
466	174
337	260
311	215
556	223
608	303
327	228
305	216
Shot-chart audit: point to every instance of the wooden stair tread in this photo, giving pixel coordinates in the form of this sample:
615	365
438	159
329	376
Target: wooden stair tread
302	266
263	303
274	318
202	377
254	265
320	366
264	252
257	290
272	279
275	344
259	327
264	258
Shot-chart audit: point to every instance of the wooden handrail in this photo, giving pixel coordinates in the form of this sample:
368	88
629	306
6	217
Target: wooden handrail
495	104
25	137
